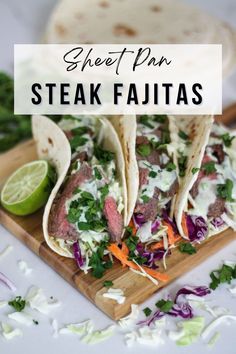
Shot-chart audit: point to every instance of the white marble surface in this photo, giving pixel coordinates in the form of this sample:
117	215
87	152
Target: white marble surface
23	22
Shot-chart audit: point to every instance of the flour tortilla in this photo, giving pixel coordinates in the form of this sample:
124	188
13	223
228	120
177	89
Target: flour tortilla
139	21
199	128
53	145
126	127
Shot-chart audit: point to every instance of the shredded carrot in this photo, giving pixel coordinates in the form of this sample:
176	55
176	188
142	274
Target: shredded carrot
117	252
157	245
184	224
125	251
172	237
132	226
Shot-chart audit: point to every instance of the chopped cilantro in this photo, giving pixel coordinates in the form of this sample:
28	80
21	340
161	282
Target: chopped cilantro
79	130
227	139
187	247
97	174
147	311
104	156
144	150
165	305
145	120
77	141
87	195
145	198
18	303
182	163
225	190
170	166
160	118
152	174
209	167
107	283
97	263
223	275
195	170
183	135
83	226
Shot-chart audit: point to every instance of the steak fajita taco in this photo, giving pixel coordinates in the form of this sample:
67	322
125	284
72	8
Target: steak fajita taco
149	144
87	208
206	202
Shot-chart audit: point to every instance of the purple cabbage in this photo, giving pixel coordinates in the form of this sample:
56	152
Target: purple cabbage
169	221
183	310
151	257
217	222
197	290
155	225
138	220
6	281
156	316
77	254
197	228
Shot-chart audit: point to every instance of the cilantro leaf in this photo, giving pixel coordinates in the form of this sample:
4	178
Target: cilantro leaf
227	139
144	150
145	198
97	173
147	311
170	166
104	156
182	163
165	305
187	247
77	141
225	190
195	170
107	283
18	303
183	135
152	174
145	120
223	275
209	167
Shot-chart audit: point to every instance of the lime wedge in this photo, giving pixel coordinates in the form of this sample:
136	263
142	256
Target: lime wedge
28	188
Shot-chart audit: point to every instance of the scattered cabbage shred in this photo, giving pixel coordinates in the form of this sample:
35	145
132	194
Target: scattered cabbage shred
115	294
9	332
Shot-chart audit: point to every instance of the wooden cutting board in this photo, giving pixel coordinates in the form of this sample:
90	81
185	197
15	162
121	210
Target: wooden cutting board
136	288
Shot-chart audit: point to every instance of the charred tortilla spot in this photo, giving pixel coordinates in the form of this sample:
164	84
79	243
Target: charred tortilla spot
156	8
60	29
124	30
104	4
44	151
50	141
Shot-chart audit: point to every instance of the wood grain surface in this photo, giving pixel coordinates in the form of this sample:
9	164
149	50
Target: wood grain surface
136	288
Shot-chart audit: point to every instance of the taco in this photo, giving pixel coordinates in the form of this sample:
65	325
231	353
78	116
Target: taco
149	145
88	206
205	204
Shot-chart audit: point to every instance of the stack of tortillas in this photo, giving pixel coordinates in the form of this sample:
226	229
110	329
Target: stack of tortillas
139	21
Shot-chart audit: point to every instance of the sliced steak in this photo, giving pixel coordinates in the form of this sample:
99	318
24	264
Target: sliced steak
154	157
142	140
114	219
68	134
143	176
173	189
218	152
148	210
58	225
217	208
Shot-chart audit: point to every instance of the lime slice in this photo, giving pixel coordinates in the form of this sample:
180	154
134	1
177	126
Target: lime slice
28	188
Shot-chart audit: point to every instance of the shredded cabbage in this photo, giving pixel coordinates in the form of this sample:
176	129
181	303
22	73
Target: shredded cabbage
233	290
99	336
3	304
38	301
213	340
222	319
189	332
6	251
9	332
80	329
129	320
21	317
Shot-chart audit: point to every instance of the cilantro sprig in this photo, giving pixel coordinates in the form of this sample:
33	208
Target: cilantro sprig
223	275
225	190
18	303
164	305
187	247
